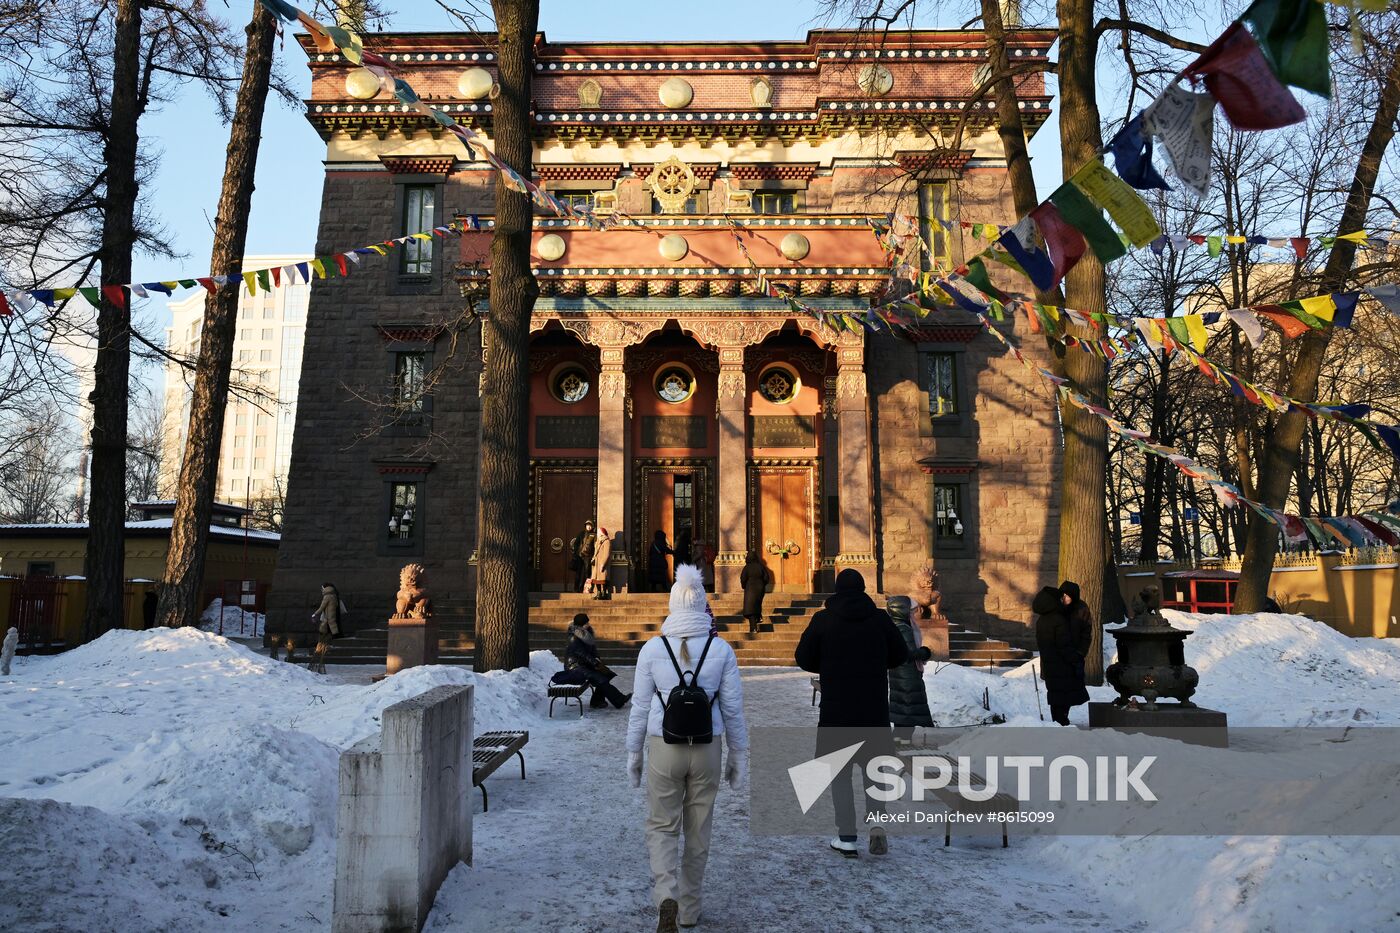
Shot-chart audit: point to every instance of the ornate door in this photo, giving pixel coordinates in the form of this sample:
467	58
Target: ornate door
784	533
564	500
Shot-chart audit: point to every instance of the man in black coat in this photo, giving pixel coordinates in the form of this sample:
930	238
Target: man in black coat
852	644
1062	645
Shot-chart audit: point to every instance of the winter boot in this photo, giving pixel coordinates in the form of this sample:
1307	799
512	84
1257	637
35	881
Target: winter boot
666	916
879	842
846	849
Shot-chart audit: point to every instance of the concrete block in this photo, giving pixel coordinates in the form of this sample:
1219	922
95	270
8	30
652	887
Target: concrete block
405	815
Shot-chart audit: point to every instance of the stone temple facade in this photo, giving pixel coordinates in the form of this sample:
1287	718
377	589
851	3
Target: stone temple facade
669	392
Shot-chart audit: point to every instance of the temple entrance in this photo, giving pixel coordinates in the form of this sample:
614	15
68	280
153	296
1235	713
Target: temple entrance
783	522
674	501
564	498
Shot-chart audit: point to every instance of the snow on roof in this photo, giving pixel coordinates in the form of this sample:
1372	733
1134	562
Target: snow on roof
228	531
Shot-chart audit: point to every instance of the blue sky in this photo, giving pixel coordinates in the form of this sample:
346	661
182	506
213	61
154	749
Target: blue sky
286	203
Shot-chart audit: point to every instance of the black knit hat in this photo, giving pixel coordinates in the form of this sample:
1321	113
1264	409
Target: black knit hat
850	579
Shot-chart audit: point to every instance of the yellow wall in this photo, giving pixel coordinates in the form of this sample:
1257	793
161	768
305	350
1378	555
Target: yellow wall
1358	600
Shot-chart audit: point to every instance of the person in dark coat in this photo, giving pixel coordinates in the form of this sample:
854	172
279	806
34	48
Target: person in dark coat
1081	620
658	569
754	579
1061	663
582	666
908	695
851	645
581	555
149	603
683	548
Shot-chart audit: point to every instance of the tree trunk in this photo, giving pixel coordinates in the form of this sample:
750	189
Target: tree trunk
1083	521
199	471
502	611
106	550
1280	459
1010	127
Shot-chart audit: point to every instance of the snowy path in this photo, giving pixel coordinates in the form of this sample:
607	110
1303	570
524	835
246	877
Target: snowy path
564	851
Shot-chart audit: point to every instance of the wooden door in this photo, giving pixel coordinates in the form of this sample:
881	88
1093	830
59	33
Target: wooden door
564	501
661	516
784	529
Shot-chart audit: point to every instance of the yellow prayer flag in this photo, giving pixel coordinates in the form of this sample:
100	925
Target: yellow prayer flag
319	267
1129	211
1321	307
1356	236
422	236
379	249
1236	239
63	294
1197	329
251	280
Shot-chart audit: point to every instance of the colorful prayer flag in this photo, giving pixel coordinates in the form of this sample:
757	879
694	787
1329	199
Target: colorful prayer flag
1239	77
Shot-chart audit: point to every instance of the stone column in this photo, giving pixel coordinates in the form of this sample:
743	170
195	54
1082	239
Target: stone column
612	460
853	462
732	480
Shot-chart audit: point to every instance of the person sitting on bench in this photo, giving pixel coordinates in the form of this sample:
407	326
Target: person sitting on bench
582	666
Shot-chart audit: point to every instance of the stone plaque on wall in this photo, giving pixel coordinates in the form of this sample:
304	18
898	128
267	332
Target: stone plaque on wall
674	431
566	431
782	431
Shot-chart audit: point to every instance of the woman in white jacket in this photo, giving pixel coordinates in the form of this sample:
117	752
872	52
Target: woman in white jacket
682	779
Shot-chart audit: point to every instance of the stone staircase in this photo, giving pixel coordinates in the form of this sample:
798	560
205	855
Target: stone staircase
625	622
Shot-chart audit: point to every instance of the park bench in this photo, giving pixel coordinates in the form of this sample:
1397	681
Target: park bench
816	689
567	692
490	750
949	797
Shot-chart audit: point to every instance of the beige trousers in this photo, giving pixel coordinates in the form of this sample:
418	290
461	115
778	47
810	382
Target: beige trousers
682	781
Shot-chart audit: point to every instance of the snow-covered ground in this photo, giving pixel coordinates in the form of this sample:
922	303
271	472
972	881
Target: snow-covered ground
231	621
174	780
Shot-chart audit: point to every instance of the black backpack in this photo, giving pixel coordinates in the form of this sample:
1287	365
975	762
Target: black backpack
685	718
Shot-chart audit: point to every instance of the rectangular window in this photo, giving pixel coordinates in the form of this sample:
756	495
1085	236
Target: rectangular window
935	216
257	485
265	356
237	463
240	420
403	502
268	312
243	356
948	525
942	384
577	198
409	374
245	333
417	255
260	441
262	419
238	441
267	333
259	463
774	202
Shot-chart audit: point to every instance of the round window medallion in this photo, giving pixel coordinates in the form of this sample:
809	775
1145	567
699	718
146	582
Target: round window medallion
474	83
570	385
550	247
361	85
674	384
779	385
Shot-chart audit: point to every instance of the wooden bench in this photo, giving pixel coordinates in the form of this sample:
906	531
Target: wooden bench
567	692
490	750
949	797
816	689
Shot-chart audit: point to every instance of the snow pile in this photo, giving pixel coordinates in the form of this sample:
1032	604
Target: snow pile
232	620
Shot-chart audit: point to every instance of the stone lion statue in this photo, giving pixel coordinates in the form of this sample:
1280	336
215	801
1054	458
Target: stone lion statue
923	590
412	601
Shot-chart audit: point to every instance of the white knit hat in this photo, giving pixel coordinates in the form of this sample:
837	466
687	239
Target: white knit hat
689	607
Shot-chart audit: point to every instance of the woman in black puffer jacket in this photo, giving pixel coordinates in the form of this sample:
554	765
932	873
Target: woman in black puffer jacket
908	696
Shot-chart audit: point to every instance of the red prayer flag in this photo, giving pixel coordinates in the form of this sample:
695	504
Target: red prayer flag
276	277
208	284
1065	244
1289	324
340	263
1198	238
1300	246
1377	529
116	294
5	309
1239	77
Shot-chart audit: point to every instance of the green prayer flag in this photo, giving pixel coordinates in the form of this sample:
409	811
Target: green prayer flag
1295	308
265	279
1293	36
91	293
1082	214
1179	330
188	283
977	277
1214	244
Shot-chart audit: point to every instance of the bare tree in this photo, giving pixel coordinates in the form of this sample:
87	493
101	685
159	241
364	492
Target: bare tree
184	569
36	468
502	619
145	446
